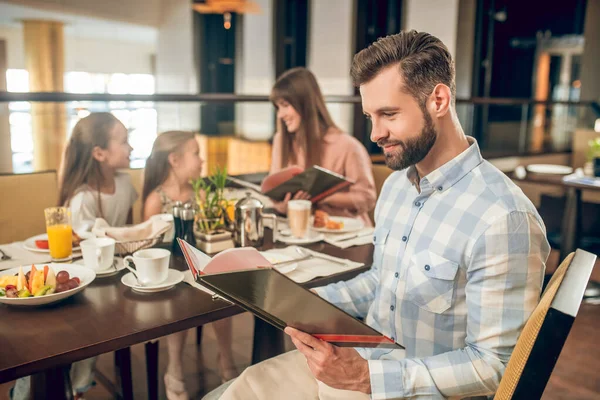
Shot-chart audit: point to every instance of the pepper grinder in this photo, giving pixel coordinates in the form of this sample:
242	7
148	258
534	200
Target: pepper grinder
177	224
188	215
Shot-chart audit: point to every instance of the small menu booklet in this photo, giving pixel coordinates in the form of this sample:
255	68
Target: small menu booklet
244	277
317	181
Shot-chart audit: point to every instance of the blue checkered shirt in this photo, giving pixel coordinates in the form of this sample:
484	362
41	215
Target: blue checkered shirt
458	268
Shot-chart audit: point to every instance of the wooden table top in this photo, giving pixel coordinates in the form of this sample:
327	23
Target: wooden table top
108	316
551	179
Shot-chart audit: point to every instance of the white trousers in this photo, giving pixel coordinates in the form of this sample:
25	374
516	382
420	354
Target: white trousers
284	377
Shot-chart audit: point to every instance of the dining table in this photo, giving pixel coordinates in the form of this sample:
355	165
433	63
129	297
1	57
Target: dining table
572	218
572	215
110	317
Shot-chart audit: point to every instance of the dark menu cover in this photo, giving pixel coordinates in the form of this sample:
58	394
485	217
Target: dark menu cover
317	181
278	300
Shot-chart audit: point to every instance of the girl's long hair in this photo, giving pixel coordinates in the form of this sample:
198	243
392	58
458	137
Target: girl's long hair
79	167
158	166
299	87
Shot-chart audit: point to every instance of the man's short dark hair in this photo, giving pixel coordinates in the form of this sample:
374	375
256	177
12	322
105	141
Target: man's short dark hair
423	60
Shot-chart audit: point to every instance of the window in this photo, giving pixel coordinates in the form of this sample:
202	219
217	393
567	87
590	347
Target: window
21	132
140	118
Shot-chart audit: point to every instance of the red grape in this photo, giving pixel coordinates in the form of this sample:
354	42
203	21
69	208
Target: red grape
76	279
72	283
62	277
61	287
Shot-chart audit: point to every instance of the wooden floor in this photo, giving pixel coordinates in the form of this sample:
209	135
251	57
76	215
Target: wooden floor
576	375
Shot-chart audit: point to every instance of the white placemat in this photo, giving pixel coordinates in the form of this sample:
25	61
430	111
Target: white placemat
20	256
345	240
315	267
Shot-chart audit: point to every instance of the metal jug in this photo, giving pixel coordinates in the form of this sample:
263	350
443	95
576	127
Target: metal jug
249	227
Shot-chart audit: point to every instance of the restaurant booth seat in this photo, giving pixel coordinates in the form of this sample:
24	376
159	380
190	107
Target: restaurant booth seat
22	211
24	198
137	179
546	330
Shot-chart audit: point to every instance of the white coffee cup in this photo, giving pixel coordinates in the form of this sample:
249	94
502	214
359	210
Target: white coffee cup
299	217
98	253
151	265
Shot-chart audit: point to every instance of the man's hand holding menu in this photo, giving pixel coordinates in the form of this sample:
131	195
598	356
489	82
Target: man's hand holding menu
338	367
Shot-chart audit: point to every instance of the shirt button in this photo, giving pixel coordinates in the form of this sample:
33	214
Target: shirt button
427	268
404	238
392	308
396	275
440	188
393	339
418	203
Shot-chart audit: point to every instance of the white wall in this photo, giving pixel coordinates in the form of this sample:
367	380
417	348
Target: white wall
175	70
330	53
87	54
142	12
255	73
15	53
438	17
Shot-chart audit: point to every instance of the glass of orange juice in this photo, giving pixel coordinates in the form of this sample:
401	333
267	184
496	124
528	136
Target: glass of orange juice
60	233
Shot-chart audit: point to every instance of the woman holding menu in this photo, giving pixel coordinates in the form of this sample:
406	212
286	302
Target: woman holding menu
306	136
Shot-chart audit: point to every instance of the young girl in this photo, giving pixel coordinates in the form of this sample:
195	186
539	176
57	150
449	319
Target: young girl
174	161
306	136
90	184
89	181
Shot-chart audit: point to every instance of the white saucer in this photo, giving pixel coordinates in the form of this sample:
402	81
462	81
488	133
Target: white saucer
550	169
107	272
275	257
312	237
173	279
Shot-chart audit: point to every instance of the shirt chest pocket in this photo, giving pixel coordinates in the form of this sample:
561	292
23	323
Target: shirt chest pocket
380	237
430	281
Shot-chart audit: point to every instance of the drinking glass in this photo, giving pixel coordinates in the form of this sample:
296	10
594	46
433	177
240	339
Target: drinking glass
60	233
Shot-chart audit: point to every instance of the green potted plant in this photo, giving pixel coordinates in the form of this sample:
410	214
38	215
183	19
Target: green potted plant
210	200
593	165
212	217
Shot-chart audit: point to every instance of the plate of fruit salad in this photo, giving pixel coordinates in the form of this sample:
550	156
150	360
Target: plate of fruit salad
39	284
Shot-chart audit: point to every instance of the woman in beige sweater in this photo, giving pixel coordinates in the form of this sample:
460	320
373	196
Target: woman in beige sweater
306	136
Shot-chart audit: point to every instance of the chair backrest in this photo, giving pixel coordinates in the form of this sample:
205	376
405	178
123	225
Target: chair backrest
22	203
380	174
137	179
546	330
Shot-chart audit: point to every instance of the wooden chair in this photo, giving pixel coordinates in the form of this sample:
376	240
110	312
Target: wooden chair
24	198
380	174
546	331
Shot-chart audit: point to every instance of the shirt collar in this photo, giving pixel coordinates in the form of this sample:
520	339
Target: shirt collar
451	172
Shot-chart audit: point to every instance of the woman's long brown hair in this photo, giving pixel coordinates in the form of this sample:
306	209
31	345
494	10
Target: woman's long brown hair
299	87
158	166
79	167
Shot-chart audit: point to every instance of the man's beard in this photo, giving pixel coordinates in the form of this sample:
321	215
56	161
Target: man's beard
413	150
